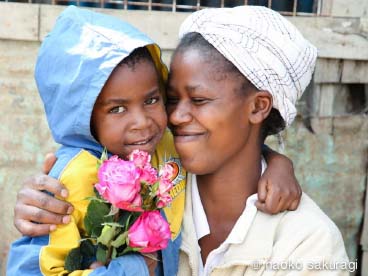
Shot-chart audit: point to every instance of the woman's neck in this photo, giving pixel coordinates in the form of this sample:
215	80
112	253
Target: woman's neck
231	184
224	195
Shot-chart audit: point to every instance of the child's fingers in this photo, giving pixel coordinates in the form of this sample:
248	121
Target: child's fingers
262	190
261	206
271	205
95	265
294	205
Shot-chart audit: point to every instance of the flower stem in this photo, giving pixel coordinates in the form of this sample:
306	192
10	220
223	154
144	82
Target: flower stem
110	247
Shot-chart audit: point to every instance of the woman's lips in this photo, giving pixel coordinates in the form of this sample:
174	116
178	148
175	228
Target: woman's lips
182	137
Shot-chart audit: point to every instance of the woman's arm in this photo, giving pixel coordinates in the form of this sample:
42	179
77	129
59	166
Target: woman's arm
34	206
278	188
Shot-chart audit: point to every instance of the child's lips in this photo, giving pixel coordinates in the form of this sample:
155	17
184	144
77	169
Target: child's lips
141	142
147	144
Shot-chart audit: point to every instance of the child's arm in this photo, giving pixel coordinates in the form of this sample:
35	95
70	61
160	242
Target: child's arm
278	188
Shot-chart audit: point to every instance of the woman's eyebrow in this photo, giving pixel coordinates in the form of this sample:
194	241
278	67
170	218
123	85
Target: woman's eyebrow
193	88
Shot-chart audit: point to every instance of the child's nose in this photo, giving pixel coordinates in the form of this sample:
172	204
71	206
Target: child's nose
140	120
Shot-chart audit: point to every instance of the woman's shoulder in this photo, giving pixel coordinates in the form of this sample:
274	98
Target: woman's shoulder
308	232
309	216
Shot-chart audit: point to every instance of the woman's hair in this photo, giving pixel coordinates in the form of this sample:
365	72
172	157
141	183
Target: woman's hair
222	67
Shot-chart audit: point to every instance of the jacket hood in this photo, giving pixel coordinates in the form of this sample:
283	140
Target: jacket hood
74	62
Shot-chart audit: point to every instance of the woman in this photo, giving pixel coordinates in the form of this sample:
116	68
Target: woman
235	77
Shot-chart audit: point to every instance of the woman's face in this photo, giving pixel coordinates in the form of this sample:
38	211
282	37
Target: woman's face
207	115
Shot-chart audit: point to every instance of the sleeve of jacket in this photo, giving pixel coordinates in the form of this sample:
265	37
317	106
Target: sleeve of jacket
24	261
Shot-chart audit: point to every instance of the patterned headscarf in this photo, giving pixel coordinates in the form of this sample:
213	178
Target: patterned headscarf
266	48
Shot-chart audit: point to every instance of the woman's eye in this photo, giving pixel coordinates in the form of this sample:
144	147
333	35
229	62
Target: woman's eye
117	109
199	100
152	100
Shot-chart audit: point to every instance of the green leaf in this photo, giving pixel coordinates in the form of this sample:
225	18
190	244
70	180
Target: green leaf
120	240
91	198
104	156
96	215
87	248
107	234
123	217
154	189
101	255
73	260
131	249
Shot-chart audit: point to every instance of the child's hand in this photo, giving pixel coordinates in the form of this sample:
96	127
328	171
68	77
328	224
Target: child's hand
151	262
95	265
278	188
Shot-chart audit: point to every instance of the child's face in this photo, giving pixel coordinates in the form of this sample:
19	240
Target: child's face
129	113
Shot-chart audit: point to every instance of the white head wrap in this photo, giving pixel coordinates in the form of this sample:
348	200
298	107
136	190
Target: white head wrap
266	48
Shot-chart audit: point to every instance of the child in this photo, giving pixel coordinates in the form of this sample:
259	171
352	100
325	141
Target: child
101	82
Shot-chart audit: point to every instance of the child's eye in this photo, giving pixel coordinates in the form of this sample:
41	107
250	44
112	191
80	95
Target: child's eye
117	109
152	100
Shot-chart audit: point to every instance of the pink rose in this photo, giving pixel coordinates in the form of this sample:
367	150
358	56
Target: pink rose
164	200
166	172
164	187
149	174
140	158
119	183
150	232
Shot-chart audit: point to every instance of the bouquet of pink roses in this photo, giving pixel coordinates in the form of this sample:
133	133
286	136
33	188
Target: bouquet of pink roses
124	216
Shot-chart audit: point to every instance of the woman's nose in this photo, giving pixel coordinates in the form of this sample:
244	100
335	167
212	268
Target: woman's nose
180	113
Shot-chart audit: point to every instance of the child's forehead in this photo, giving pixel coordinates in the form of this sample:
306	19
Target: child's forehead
128	82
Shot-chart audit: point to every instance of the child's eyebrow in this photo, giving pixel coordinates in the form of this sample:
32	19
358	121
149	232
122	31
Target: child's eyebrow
114	101
122	101
153	92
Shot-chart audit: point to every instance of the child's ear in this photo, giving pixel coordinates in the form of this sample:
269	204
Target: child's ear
261	107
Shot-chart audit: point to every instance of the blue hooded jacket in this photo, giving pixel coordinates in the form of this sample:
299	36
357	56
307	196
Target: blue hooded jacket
74	62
